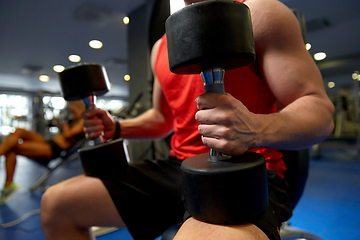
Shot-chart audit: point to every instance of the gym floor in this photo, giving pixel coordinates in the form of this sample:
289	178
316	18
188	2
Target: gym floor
330	206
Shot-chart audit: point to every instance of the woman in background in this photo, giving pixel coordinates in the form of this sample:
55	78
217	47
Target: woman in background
33	145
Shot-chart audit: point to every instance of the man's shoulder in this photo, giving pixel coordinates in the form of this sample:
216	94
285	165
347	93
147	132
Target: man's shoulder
269	15
260	7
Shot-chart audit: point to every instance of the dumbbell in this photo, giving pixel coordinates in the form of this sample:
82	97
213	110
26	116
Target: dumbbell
208	38
85	82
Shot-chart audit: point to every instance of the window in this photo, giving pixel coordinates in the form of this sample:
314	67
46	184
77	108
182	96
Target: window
15	112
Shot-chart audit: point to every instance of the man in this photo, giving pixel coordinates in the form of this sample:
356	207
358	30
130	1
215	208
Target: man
148	198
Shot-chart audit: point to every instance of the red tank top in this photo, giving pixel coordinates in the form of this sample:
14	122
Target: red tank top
181	91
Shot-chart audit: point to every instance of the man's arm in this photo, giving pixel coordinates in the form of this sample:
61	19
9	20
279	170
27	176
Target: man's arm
294	79
154	123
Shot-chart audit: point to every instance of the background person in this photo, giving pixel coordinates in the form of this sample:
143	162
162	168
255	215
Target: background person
33	145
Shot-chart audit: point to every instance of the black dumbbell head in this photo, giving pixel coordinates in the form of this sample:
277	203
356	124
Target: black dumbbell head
210	33
225	192
83	80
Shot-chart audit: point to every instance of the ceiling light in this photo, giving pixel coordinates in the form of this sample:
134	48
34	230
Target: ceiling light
96	44
74	58
356	76
176	5
308	46
58	68
126	20
331	84
319	56
44	78
127	77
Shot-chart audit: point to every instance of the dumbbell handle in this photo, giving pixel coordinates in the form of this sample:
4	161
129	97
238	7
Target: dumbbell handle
89	103
213	78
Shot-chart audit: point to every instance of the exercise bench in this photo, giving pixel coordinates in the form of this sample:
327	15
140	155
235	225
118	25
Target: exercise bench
65	157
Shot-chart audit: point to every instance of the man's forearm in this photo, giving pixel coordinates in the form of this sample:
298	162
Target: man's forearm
149	125
301	124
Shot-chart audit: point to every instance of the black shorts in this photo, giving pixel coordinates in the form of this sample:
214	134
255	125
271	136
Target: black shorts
56	151
149	199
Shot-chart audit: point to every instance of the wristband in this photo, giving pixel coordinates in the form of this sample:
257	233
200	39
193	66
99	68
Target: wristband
117	130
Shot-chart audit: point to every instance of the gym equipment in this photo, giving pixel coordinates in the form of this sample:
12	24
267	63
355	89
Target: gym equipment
208	38
296	174
85	82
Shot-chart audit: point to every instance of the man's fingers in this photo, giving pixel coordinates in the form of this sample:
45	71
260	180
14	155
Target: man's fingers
208	100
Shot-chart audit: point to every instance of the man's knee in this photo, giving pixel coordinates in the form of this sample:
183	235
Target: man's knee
52	205
194	229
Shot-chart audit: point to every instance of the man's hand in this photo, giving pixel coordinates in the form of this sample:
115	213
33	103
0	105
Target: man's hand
98	122
226	125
